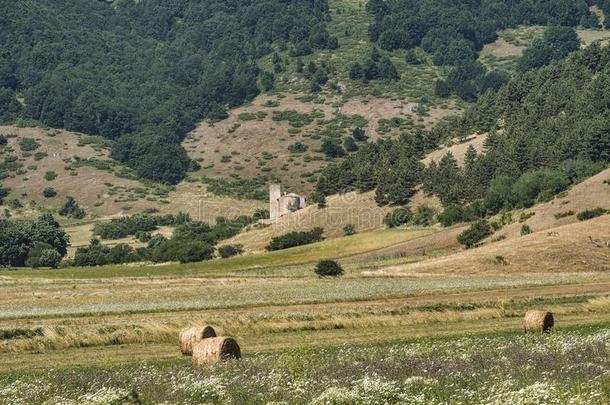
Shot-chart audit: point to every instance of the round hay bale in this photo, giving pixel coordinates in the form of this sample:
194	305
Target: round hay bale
536	321
192	335
214	350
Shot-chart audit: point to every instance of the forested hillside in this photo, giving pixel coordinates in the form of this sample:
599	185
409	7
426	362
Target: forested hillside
454	32
548	128
144	72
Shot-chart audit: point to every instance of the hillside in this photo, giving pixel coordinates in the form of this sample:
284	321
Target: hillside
256	139
568	248
83	169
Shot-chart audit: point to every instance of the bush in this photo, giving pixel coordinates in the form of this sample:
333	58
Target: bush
50	176
398	217
71	209
97	254
183	251
293	239
539	185
476	233
455	214
318	198
328	268
24	241
4	192
49	258
332	148
3	140
298	147
359	135
43	255
143	236
121	227
28	144
193	252
49	192
227	251
589	214
525	230
349	229
424	215
564	214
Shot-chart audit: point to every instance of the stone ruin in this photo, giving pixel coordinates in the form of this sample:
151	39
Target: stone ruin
281	204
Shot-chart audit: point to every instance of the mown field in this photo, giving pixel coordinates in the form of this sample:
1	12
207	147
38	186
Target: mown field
109	335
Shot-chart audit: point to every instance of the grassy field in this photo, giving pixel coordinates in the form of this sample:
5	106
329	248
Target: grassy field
109	335
569	367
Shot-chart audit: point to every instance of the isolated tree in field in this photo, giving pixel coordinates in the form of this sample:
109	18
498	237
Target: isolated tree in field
328	268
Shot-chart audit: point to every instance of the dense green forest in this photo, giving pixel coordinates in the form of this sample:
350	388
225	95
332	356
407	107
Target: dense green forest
453	32
144	72
548	128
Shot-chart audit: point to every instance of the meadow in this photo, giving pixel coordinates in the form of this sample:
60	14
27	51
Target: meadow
110	334
571	367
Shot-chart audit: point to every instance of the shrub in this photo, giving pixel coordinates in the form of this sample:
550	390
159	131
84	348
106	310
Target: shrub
49	258
4	192
49	192
15	203
71	209
455	214
3	140
424	215
28	144
97	254
22	242
359	135
328	268
318	198
143	236
589	214
398	217
564	214
349	229
50	176
230	250
261	213
130	225
525	230
194	251
332	148
298	147
539	185
42	255
183	251
476	233
525	216
293	239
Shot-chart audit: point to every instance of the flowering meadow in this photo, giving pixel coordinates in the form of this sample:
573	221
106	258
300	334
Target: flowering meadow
568	367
